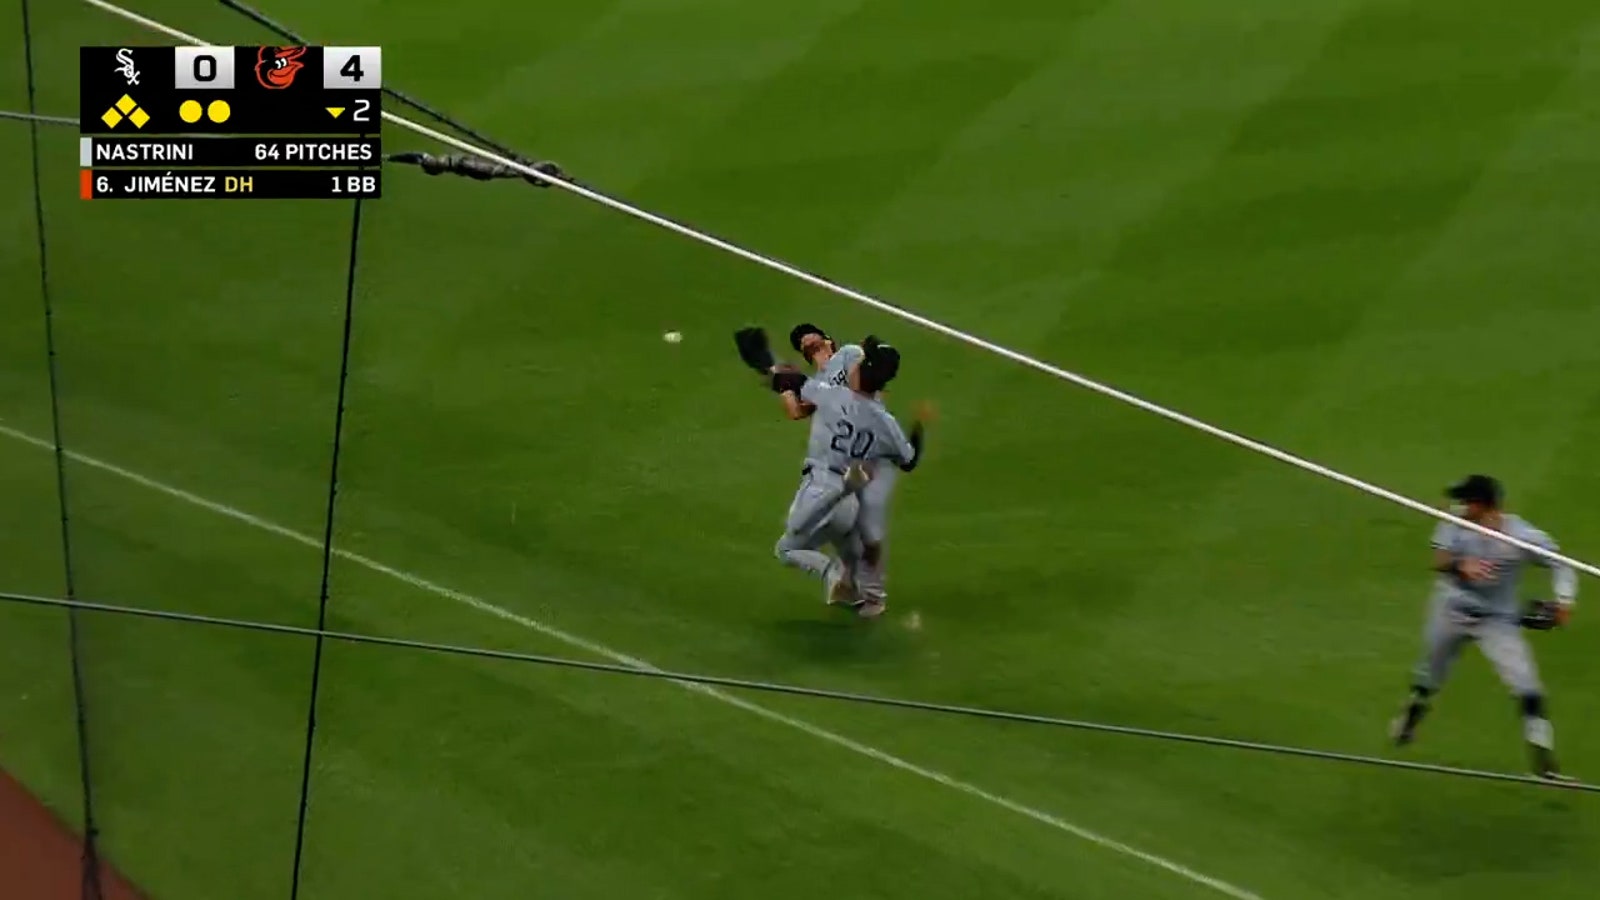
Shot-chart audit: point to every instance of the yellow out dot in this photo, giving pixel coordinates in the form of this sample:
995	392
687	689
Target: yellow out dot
218	111
189	111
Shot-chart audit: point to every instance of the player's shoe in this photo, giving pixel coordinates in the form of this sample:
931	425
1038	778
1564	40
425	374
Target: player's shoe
1402	730
1545	767
871	609
838	589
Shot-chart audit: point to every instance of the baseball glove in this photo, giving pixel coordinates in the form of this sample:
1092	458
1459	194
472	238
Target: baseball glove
1540	615
753	349
788	381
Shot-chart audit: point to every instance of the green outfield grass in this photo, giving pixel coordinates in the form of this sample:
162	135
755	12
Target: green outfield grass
1361	231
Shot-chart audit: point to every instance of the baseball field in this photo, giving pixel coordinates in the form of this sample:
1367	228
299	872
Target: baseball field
1358	230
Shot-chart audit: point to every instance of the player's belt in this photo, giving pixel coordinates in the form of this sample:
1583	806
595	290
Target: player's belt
807	469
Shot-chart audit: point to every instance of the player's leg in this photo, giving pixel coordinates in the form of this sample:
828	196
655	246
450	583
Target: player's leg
1507	650
842	532
871	577
1442	638
811	508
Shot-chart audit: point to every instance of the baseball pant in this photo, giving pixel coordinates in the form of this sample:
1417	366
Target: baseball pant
874	526
821	513
1448	630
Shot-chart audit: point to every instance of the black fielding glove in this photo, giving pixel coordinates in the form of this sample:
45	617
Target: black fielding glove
753	349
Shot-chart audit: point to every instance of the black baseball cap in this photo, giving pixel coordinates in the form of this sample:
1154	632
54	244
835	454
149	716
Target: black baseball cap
1476	489
880	362
803	329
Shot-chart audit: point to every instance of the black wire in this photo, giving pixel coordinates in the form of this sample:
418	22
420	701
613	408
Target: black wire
643	670
692	679
327	548
90	882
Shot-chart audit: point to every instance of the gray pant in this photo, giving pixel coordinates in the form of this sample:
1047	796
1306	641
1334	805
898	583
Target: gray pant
875	501
874	525
821	513
1500	639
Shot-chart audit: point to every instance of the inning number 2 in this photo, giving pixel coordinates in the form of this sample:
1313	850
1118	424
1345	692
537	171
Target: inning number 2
849	441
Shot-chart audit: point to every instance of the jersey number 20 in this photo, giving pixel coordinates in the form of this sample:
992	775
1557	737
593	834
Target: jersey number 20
856	444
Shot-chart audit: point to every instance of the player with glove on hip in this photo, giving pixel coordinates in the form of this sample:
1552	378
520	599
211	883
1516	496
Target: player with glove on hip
1475	601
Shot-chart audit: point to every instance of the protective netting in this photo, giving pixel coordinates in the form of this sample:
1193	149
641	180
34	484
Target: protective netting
210	344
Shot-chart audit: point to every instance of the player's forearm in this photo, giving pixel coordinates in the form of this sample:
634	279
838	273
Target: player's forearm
1564	583
792	405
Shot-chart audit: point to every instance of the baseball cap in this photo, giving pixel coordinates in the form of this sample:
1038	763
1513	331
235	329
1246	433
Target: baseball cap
803	329
880	362
1476	489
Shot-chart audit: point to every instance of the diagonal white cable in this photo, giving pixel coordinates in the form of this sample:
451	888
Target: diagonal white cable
35	117
932	325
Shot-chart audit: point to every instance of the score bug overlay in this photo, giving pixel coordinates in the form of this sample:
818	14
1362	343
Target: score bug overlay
263	122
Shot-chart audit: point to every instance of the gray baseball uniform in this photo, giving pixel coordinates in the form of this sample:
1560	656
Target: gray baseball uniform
874	521
846	428
836	370
1487	612
812	504
860	430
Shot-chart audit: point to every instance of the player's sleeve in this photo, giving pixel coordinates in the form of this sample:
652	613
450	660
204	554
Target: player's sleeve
1444	536
1563	580
903	451
1444	548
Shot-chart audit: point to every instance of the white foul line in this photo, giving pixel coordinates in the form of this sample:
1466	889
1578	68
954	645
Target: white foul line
604	652
932	325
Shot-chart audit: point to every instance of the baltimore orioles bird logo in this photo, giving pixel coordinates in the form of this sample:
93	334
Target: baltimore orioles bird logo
275	66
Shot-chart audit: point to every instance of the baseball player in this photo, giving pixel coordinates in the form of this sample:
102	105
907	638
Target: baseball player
877	462
849	427
871	479
1475	601
830	360
818	516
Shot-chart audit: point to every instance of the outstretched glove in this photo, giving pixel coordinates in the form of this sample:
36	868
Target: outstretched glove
754	349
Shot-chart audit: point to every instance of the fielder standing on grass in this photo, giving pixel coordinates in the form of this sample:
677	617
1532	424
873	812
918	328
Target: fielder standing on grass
1475	601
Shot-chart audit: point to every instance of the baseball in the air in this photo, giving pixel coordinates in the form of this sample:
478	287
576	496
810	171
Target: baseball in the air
672	337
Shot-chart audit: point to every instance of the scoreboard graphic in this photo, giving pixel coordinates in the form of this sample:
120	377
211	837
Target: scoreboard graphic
235	123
